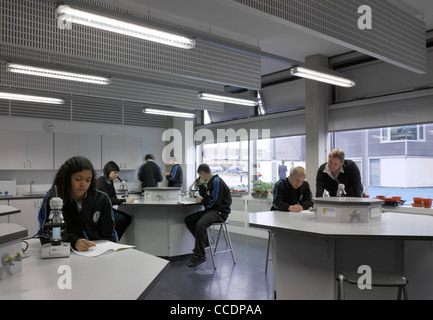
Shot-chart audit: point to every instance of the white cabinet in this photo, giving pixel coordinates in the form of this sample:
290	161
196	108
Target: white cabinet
26	150
67	145
89	146
28	217
127	152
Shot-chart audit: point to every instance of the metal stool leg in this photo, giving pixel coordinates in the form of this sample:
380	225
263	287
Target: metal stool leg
267	251
210	239
213	248
230	243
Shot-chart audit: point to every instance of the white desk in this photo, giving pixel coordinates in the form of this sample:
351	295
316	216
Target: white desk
308	254
124	275
6	210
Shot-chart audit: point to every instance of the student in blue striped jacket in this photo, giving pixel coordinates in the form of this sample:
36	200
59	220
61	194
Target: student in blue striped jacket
175	176
216	198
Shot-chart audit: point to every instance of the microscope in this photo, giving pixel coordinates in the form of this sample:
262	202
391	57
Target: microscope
341	192
55	227
124	187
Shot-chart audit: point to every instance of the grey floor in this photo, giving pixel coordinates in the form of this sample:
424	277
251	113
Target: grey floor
246	280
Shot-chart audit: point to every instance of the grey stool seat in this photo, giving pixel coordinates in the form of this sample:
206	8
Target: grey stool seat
378	280
213	243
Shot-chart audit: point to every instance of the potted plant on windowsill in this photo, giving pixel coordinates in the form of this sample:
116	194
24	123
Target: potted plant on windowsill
239	191
261	188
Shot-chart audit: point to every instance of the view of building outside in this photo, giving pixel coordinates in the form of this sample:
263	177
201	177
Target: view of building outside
395	161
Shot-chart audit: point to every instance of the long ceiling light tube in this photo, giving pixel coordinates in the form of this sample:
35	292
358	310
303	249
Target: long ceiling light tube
66	14
322	77
160	112
222	98
57	74
30	98
327	77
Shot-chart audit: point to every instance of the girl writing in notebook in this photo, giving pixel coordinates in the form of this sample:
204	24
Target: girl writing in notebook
87	212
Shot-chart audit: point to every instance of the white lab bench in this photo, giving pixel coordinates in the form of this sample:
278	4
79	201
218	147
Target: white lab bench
308	254
124	275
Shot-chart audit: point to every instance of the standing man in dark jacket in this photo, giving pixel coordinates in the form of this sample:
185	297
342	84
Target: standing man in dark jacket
292	193
175	176
149	173
339	171
216	198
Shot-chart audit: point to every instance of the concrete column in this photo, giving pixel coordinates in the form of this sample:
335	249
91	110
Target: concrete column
316	121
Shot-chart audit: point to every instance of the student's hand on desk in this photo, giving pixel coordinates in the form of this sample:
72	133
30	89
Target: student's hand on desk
296	208
199	199
84	245
129	200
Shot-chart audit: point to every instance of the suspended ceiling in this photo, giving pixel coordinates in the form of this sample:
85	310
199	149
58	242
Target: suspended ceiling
221	18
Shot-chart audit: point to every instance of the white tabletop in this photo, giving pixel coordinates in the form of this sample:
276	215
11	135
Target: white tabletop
123	275
393	225
161	202
6	210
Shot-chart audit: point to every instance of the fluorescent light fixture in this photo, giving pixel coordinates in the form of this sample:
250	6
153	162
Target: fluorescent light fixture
322	77
50	73
25	97
66	14
168	113
221	98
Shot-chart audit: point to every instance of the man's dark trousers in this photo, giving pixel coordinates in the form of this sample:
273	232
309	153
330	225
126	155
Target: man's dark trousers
197	223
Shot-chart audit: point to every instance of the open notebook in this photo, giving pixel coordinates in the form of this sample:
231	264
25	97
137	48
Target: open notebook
103	246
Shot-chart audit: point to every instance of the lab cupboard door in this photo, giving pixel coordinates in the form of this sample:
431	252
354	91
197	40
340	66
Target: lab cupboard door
67	145
26	150
127	152
28	217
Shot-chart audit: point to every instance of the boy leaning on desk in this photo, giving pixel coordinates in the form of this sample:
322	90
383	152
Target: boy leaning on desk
292	193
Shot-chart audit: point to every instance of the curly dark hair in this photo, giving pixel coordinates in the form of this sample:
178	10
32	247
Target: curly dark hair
62	181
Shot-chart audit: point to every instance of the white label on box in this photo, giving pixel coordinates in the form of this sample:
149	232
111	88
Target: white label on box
375	213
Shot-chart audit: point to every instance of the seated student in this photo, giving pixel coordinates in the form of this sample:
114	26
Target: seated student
216	198
339	171
105	184
87	211
292	193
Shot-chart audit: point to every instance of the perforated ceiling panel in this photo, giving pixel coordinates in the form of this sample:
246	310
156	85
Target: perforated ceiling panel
141	71
395	37
32	24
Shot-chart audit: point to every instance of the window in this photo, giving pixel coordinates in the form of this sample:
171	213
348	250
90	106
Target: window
407	133
272	152
393	161
230	161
